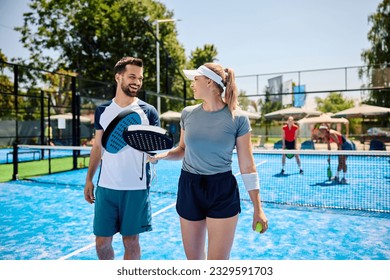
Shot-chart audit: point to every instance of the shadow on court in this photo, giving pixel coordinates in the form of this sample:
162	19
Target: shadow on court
328	183
285	175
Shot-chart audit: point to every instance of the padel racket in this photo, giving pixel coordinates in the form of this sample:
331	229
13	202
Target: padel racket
112	139
147	138
329	171
289	156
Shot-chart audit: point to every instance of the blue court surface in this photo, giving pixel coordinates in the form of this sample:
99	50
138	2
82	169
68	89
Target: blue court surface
48	218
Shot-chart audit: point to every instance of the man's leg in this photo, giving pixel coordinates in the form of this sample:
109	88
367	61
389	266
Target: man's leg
132	247
104	248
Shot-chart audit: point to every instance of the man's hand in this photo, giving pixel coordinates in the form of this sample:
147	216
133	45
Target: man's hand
88	192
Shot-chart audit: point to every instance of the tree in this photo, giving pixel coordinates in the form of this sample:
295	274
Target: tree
377	57
6	88
89	36
243	101
61	88
27	106
267	106
333	103
200	56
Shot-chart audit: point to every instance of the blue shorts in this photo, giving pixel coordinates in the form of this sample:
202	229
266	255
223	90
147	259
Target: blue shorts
348	145
126	212
290	145
213	196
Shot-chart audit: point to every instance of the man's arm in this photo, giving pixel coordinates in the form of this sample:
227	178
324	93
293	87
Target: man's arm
94	162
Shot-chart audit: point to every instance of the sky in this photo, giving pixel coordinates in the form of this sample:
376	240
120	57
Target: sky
254	36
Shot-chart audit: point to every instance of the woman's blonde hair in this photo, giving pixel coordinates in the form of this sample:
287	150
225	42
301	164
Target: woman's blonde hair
229	80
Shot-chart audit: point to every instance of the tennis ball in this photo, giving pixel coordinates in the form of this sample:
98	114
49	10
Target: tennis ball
259	227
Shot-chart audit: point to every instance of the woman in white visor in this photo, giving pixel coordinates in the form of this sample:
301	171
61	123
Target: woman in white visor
208	200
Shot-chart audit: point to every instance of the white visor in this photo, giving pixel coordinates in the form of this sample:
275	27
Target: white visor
323	127
204	71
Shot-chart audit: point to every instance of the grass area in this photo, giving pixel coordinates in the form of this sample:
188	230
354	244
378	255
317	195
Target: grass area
273	140
40	167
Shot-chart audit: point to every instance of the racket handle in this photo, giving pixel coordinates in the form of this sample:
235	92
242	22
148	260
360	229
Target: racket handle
149	155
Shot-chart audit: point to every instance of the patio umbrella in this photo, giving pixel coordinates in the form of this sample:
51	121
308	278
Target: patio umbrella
170	116
363	111
251	115
296	112
324	118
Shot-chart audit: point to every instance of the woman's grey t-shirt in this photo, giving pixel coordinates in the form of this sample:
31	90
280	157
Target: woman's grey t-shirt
210	138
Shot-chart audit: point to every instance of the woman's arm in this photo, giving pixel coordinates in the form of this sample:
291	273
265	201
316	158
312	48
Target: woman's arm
296	136
335	138
283	139
247	167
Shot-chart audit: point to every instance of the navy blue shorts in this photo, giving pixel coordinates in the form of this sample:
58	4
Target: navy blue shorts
348	145
290	145
213	196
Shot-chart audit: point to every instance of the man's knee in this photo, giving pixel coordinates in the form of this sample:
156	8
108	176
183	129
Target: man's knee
131	241
104	248
103	241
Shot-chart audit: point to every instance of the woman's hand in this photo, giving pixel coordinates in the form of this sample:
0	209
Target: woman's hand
152	159
260	218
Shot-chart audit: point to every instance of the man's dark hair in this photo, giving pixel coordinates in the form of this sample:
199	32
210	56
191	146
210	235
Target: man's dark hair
121	64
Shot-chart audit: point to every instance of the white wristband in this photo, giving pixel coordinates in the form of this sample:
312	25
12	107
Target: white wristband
251	181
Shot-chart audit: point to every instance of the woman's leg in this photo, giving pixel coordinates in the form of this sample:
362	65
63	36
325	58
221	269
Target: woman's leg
340	164
299	163
194	237
343	163
220	237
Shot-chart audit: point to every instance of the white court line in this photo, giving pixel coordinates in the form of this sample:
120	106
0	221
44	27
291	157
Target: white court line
164	209
85	248
153	215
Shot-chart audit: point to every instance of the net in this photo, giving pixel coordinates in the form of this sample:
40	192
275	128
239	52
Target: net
367	185
34	160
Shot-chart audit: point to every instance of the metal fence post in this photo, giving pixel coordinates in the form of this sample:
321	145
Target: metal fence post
15	161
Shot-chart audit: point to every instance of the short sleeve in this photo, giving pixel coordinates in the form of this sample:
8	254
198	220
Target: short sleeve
184	114
243	125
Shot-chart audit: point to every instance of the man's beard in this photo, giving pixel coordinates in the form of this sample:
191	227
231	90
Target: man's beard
128	91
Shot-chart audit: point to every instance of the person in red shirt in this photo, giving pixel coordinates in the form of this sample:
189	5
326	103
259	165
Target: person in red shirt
289	139
333	136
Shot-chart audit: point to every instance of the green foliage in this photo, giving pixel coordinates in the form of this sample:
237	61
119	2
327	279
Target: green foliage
377	57
59	89
89	36
266	106
2	56
334	102
243	101
6	87
203	55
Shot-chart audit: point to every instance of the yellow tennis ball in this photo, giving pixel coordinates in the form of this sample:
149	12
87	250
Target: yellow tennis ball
259	227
